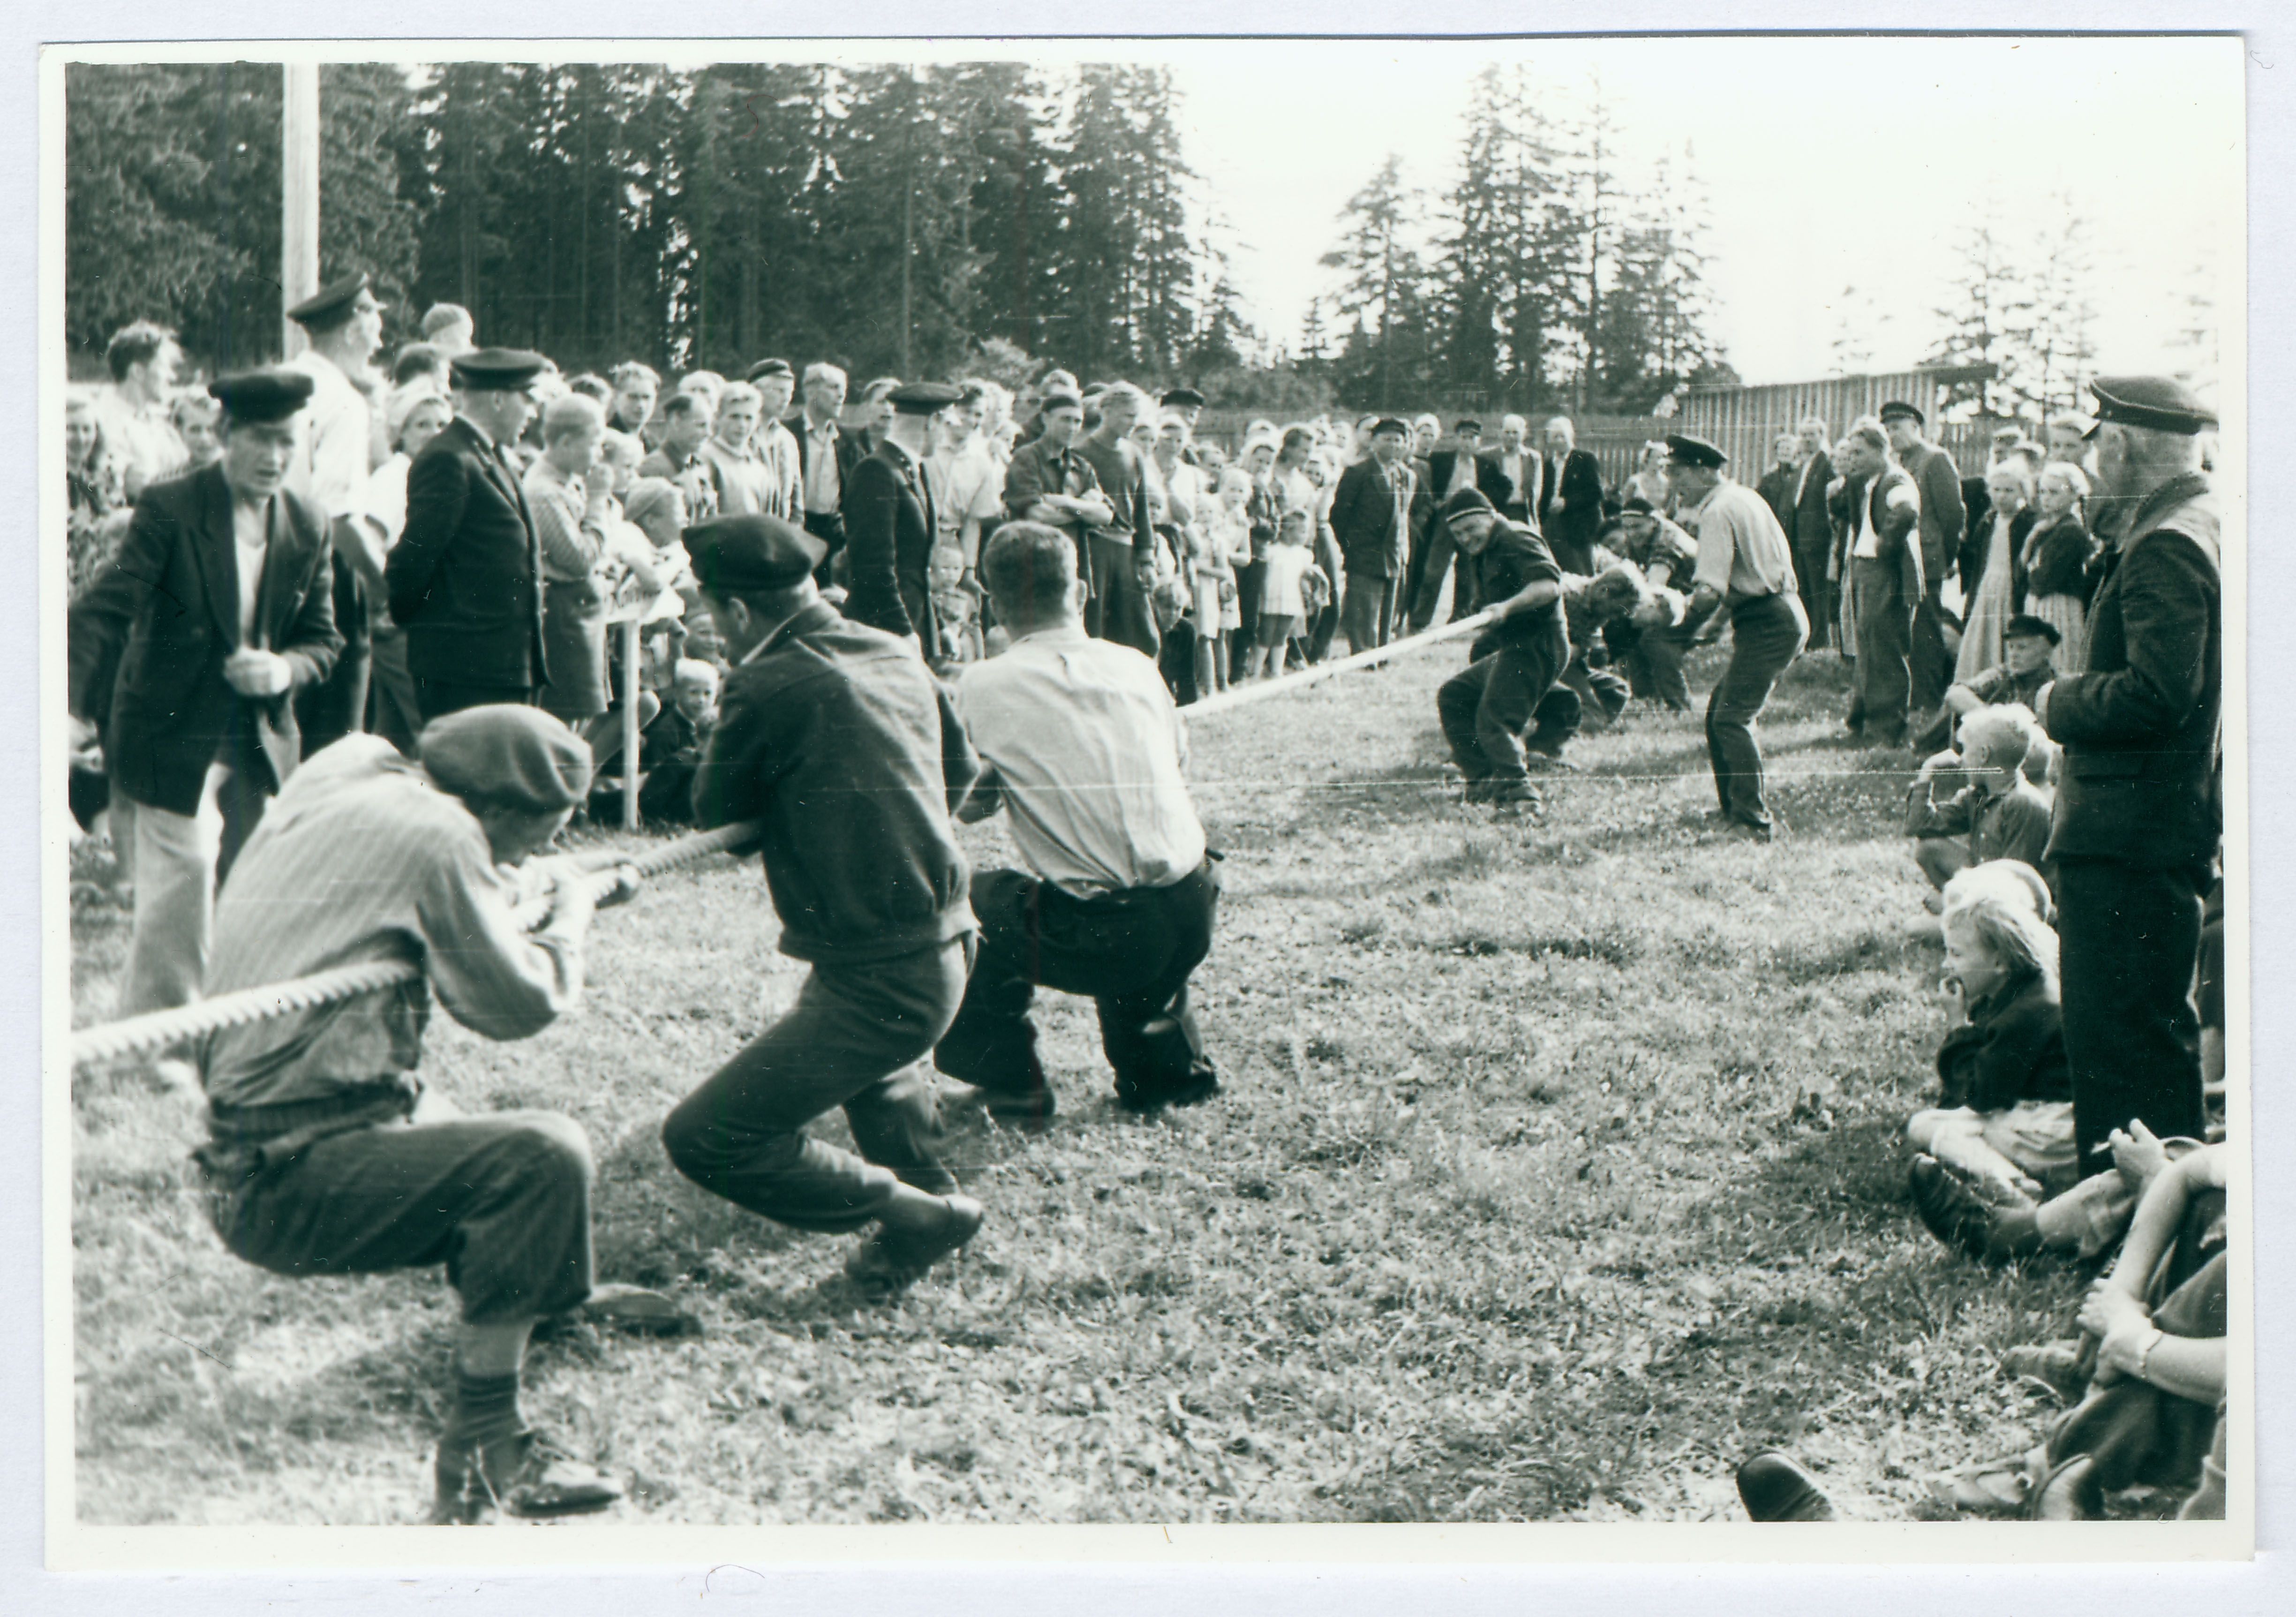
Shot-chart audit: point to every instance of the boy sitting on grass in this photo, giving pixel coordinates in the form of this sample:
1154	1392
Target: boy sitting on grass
1995	813
2007	1121
2028	644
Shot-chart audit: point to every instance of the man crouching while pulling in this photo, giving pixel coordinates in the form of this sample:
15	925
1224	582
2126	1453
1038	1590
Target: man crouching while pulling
834	737
1081	743
315	1167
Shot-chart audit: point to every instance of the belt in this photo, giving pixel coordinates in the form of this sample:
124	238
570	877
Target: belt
247	1141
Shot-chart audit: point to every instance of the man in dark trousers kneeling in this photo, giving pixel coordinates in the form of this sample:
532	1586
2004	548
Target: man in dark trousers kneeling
1081	743
1508	686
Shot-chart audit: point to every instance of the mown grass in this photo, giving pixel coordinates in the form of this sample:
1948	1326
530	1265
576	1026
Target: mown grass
1556	1169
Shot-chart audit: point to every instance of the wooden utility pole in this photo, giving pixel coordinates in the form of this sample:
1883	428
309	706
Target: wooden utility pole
908	214
298	194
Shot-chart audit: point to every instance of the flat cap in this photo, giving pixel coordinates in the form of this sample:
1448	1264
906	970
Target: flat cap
923	397
324	306
2160	403
1466	423
1466	501
1390	424
517	755
1184	399
735	554
1637	505
259	396
1897	409
1685	450
769	367
2025	624
1060	401
496	370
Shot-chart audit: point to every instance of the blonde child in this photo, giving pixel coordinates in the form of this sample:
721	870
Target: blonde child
1995	812
1284	591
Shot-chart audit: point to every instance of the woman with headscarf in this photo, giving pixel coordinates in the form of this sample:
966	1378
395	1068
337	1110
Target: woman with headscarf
2000	587
2057	557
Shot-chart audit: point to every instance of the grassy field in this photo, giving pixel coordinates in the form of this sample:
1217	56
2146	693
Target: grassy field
1556	1169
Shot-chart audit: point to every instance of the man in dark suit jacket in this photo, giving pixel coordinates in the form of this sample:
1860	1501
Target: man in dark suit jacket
888	522
1370	518
1570	508
188	649
823	484
1810	527
1451	466
465	578
1512	475
1943	523
2139	804
1882	565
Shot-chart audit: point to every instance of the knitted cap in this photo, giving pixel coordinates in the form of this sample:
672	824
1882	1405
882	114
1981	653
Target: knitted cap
510	754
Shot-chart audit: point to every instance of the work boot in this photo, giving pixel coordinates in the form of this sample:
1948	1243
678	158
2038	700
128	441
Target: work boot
1512	793
1774	1487
1954	1213
891	1257
524	1474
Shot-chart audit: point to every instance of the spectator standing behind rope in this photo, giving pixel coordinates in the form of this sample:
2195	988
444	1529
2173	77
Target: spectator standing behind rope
570	498
1370	517
217	607
344	324
465	578
890	522
1943	522
1743	563
827	455
1882	574
836	739
134	411
1119	555
1451	466
2139	809
1570	515
1082	746
313	1164
1811	530
414	416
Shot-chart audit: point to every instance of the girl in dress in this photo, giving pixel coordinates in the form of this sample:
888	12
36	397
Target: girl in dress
2057	556
2000	588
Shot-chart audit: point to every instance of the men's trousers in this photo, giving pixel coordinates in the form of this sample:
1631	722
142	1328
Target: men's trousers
2130	942
1931	659
853	1039
1118	607
1131	952
1885	628
1653	658
437	698
336	706
502	1200
1251	579
1486	707
1766	634
1816	590
1368	610
176	862
394	711
1444	557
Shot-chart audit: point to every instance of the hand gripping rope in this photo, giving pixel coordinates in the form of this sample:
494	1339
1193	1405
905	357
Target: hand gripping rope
157	1029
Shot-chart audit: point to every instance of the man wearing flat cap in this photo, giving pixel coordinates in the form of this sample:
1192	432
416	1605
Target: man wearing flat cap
1745	565
193	639
2139	809
315	1163
841	744
890	523
1370	518
343	322
1187	404
465	578
1510	683
1944	520
775	444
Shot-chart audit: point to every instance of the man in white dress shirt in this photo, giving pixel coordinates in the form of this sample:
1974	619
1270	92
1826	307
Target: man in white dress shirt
1080	743
344	324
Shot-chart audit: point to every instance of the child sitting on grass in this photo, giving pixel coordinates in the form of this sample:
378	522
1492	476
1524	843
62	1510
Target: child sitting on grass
2028	645
2005	1125
674	744
1995	813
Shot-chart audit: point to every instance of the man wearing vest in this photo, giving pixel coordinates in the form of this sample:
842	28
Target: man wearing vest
2139	810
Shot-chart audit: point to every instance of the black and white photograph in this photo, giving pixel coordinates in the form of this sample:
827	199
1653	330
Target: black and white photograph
1002	784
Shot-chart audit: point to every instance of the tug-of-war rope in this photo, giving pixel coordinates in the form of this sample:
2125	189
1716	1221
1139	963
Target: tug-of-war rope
158	1030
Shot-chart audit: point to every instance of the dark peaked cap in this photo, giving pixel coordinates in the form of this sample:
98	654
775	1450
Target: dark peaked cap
2157	402
1685	450
1183	398
328	301
257	398
923	397
733	555
1897	409
768	367
496	370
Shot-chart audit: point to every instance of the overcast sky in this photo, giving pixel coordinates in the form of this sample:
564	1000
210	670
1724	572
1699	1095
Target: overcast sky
1830	163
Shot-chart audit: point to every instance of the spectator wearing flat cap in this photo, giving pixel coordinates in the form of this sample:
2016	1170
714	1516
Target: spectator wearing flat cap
1944	520
316	1164
465	578
1510	683
774	444
344	323
1119	555
2139	810
1745	565
1370	518
1451	466
1080	743
843	749
187	650
890	523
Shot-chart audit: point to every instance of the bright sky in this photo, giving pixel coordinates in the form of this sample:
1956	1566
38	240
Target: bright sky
1829	163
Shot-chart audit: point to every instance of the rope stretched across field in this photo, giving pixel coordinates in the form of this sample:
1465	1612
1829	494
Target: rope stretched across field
158	1030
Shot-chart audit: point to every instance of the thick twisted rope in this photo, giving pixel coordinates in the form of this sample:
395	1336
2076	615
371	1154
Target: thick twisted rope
158	1030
